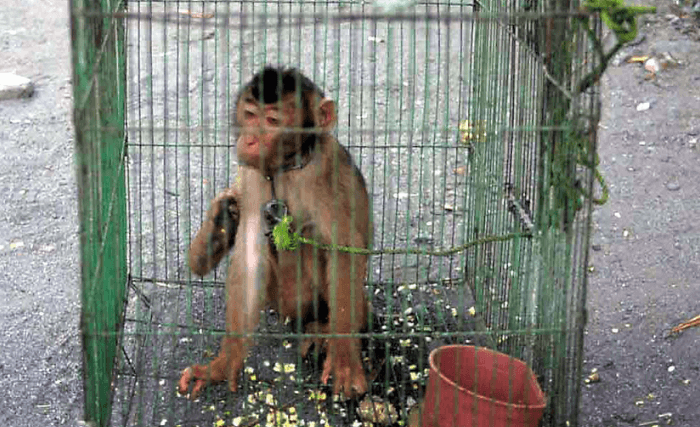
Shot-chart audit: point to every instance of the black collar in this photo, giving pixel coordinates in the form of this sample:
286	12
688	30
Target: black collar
275	210
294	162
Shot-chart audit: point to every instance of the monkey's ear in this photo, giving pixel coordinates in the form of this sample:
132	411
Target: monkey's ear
326	115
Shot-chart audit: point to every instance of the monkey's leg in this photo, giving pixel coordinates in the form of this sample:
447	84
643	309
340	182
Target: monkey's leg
299	294
234	346
348	314
217	233
249	274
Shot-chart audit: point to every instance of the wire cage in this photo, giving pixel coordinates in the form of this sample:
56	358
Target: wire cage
476	139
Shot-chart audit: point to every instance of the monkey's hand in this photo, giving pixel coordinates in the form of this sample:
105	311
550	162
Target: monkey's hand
217	233
344	364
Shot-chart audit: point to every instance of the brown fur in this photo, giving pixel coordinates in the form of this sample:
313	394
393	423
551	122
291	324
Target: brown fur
328	201
213	239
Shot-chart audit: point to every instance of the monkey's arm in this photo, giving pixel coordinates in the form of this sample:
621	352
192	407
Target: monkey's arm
217	233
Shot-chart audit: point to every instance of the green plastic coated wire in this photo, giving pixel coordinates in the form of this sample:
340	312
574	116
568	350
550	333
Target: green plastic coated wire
285	240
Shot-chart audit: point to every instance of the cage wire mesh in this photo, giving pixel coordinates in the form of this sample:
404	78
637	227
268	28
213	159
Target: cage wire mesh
464	120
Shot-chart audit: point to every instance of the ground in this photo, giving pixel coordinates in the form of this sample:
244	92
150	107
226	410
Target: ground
646	245
39	342
645	254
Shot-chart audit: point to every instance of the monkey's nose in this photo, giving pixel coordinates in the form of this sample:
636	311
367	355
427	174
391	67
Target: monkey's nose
251	140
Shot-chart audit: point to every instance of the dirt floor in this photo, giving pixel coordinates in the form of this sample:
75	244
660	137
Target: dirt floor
645	254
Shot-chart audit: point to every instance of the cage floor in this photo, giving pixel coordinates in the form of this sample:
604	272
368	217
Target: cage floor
277	386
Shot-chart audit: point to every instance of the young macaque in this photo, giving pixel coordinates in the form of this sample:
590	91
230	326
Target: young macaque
289	164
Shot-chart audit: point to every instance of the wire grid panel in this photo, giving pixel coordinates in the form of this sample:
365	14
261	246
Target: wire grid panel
396	108
444	128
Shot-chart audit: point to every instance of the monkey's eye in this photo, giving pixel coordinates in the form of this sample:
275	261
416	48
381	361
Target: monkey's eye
249	114
273	121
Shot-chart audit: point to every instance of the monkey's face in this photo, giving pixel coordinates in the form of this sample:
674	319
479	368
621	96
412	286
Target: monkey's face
266	129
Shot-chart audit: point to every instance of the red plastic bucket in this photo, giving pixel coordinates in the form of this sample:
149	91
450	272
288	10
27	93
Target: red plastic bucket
478	387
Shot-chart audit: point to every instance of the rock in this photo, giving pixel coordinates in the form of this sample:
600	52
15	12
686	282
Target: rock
423	240
673	186
13	86
375	410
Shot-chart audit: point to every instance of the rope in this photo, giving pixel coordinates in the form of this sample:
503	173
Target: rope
286	240
622	20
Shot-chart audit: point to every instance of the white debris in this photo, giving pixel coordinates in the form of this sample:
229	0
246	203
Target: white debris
13	86
16	244
652	65
643	106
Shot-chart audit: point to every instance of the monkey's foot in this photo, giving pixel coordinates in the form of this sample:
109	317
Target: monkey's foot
348	376
201	375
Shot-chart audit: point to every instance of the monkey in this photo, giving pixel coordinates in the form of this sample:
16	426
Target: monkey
289	163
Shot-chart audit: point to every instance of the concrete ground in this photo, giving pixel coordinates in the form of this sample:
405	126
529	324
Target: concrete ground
646	247
41	378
